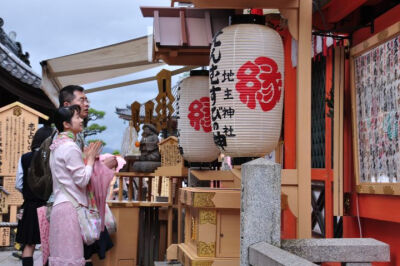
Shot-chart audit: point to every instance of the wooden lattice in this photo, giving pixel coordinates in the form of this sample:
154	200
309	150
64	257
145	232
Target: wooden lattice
164	99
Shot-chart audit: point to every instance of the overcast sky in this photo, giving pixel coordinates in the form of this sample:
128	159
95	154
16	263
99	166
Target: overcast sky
53	28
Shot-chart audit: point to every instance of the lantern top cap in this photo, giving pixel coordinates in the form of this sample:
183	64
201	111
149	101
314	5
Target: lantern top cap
199	73
247	19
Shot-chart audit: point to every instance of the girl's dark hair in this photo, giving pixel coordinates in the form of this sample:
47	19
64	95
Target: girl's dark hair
40	135
65	114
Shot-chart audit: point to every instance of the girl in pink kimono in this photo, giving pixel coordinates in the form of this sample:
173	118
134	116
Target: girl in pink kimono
68	168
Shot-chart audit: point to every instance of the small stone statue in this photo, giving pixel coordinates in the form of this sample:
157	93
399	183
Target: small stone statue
150	157
149	144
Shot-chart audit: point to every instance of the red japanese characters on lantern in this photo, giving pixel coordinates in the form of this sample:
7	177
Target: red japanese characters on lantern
199	114
259	81
246	89
194	120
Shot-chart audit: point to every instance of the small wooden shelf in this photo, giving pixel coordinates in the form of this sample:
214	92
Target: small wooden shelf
218	198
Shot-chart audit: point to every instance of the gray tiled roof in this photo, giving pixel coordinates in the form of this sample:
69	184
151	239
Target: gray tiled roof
17	68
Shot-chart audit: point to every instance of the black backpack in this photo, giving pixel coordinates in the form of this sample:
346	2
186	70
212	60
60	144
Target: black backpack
39	174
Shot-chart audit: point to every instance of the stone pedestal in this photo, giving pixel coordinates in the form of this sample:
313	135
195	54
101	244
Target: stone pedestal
260	216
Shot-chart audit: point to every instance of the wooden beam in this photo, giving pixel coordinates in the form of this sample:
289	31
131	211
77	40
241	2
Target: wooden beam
50	74
184	39
241	4
156	25
209	175
338	132
289	177
292	16
136	81
341	9
207	20
375	40
303	120
99	68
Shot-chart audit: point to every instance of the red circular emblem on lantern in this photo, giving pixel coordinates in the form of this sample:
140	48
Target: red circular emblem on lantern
259	81
199	114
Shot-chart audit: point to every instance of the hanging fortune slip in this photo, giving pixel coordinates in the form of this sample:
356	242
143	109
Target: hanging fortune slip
246	89
194	122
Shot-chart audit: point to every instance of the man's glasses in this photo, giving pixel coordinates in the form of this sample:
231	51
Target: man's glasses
83	100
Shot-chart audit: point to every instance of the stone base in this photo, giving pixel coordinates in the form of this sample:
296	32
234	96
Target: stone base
360	250
145	166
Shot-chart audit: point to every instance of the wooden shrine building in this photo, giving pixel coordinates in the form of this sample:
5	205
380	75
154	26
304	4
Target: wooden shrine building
340	140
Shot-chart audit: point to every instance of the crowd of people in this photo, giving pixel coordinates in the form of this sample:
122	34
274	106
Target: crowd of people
78	178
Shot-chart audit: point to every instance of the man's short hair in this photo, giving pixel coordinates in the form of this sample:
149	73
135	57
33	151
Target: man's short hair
67	93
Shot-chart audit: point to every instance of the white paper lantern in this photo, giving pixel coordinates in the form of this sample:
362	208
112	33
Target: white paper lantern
194	122
246	89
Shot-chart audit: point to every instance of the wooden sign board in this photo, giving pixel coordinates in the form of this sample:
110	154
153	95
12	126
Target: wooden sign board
18	124
15	197
4	236
376	111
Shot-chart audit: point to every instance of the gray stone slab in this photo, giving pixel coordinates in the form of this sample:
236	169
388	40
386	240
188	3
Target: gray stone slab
260	215
339	249
261	254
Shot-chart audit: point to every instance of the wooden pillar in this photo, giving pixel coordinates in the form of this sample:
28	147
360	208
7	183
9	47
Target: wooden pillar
170	201
170	210
120	188
303	120
179	217
338	131
170	220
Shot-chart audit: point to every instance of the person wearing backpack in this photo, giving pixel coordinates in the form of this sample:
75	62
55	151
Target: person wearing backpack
28	234
70	179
